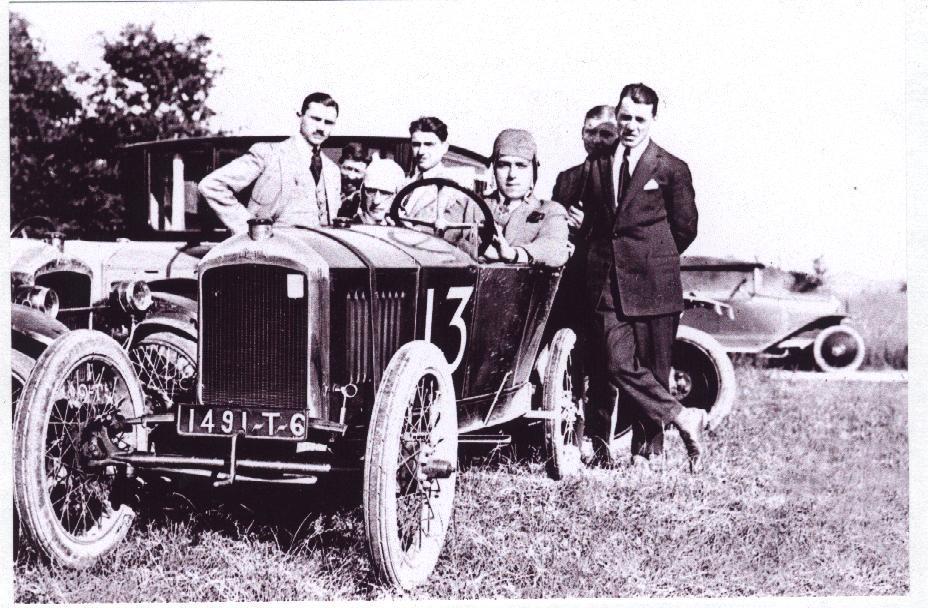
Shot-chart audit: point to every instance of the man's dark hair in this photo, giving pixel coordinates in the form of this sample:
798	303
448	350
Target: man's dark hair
429	124
640	93
323	98
355	151
599	112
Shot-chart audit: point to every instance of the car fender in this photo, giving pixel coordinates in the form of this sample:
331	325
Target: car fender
169	312
32	330
815	325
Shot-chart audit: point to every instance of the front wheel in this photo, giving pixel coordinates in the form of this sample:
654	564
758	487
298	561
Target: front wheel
73	411
410	465
702	375
21	366
562	400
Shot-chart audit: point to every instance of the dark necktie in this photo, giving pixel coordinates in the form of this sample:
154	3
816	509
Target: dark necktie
624	177
315	165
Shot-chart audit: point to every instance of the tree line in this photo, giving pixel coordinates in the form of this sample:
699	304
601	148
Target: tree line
64	148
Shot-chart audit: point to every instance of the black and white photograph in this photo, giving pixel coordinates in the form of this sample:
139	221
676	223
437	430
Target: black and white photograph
591	302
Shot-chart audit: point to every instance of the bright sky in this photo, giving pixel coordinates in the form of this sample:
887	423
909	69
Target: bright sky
790	115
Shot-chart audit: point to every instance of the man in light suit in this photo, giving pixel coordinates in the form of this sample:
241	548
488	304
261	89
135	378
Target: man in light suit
428	137
640	215
293	182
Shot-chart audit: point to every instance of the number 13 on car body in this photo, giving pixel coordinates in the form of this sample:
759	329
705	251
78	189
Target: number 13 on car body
461	295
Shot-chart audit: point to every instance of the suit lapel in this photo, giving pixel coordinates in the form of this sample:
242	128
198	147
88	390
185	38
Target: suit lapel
332	180
644	170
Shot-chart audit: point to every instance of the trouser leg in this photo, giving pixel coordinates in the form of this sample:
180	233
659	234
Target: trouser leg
623	371
654	337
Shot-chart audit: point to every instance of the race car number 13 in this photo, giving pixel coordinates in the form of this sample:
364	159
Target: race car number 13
462	294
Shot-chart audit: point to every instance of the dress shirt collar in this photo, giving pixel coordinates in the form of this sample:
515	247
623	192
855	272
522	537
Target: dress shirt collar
304	149
436	171
634	156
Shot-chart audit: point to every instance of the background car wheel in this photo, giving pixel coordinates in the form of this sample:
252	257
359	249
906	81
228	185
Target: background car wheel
72	406
702	375
21	366
562	396
838	348
166	364
410	466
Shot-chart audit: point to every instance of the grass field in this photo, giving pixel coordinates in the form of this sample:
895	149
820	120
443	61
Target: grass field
881	318
805	493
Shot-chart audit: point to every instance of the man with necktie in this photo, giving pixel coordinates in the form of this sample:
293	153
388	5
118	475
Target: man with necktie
293	181
640	215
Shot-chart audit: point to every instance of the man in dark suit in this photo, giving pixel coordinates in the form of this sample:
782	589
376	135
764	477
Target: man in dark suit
639	216
599	133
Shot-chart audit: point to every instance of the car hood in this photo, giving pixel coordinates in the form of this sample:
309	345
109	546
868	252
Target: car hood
133	260
354	247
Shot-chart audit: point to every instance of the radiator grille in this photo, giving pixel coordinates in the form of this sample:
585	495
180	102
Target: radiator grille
72	288
254	334
358	331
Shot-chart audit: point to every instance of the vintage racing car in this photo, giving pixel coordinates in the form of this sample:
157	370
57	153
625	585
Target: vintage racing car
170	229
359	348
765	318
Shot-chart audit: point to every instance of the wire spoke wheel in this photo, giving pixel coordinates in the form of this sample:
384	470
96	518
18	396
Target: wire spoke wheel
563	397
72	414
409	470
166	365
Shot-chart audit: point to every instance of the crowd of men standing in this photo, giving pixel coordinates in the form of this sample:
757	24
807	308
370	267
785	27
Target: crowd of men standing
627	212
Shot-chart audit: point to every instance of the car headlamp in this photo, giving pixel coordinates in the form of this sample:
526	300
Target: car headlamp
132	296
39	298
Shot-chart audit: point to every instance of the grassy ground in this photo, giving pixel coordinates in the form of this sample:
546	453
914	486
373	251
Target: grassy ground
881	318
805	493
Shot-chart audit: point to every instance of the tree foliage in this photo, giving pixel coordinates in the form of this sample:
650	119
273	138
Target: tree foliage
150	89
42	113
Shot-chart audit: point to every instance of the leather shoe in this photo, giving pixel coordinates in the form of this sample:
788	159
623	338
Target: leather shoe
690	422
599	456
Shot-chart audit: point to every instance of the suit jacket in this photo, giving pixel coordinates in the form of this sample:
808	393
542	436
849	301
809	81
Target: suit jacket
284	189
422	202
643	235
569	185
538	226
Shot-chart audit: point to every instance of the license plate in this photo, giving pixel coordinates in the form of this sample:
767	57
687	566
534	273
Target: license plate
257	423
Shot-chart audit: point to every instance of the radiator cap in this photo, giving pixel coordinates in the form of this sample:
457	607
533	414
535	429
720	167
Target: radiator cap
260	228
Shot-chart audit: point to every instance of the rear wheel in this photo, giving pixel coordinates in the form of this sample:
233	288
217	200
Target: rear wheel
562	398
702	375
410	466
73	411
838	348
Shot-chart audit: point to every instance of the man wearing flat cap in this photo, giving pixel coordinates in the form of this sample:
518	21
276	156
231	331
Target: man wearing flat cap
530	230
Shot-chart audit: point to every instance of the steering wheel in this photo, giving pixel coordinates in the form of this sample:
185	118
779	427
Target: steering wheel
33	219
486	229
